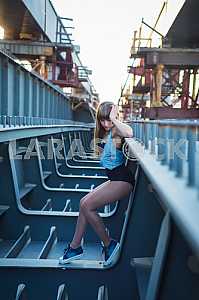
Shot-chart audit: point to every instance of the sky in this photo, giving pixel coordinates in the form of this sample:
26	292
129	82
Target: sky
104	31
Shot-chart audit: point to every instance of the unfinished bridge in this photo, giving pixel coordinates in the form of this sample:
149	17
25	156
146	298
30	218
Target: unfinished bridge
43	178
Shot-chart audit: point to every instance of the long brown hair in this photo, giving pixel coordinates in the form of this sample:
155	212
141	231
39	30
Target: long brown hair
102	113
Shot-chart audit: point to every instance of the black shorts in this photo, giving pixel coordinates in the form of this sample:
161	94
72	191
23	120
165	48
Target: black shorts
120	173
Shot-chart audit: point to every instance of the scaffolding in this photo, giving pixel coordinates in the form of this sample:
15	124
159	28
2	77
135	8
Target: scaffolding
160	76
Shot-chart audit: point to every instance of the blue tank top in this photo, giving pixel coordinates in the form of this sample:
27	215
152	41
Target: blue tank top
111	157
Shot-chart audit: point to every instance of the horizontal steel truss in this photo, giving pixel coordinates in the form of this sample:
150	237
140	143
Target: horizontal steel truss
170	57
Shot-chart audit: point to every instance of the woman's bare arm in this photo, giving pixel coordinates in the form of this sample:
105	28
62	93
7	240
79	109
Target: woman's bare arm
122	129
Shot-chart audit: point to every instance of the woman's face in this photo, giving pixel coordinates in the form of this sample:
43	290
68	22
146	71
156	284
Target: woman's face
106	124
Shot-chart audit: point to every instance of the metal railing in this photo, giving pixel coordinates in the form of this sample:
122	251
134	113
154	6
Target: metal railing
168	152
28	121
173	143
25	98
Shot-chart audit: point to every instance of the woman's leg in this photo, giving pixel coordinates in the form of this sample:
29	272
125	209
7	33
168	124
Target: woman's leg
111	192
81	221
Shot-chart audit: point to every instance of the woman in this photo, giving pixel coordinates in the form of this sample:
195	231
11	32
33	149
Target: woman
110	132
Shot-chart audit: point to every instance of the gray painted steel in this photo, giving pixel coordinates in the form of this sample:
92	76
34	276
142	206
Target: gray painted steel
26	99
147	224
40	201
45	15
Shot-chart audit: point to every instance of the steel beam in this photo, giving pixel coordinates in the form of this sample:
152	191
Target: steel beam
174	57
169	113
25	132
31	48
25	95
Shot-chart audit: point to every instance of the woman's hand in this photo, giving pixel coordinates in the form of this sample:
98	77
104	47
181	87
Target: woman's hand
113	113
123	130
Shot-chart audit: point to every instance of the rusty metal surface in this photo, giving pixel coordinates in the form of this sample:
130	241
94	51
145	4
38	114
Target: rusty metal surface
174	57
169	113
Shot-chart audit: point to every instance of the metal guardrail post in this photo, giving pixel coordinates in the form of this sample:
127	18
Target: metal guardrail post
191	156
171	142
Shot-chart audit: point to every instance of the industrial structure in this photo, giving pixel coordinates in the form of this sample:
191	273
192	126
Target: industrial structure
38	39
164	77
47	162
